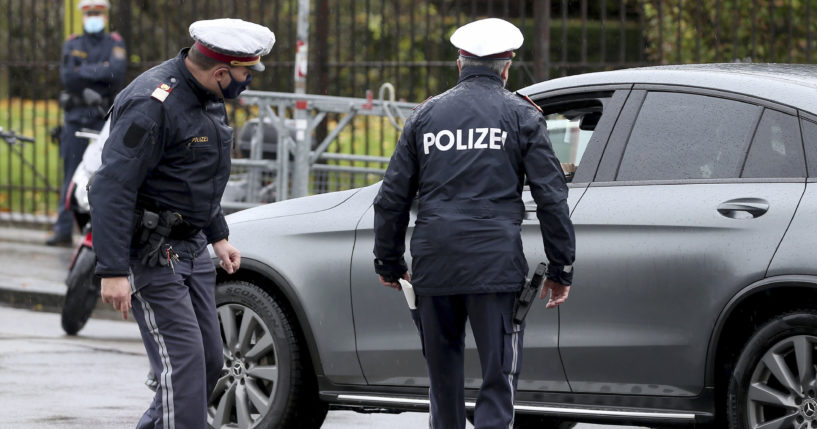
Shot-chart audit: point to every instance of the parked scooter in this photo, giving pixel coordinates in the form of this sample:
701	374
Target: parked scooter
83	286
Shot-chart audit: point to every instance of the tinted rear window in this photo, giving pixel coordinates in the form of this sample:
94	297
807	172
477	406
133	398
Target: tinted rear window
810	140
777	150
686	136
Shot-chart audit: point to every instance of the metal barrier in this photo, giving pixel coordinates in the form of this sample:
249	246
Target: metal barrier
296	156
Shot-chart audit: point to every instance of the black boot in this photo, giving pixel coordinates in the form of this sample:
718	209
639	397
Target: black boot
60	240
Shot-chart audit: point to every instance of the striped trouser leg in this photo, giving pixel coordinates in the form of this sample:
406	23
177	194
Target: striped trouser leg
499	343
167	319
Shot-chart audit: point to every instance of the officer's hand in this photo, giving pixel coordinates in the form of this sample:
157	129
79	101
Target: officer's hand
395	285
229	258
116	291
558	293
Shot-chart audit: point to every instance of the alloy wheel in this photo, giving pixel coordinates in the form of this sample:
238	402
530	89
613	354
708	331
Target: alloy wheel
246	390
783	390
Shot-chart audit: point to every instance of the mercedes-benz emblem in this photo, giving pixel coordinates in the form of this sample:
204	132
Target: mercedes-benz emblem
809	409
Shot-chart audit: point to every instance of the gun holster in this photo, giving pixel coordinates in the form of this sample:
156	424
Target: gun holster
526	297
153	231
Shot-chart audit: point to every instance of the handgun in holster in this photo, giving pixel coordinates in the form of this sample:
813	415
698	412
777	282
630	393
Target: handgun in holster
155	229
526	296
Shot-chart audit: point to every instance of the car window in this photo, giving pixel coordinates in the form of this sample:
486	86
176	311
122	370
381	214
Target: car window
687	136
571	125
568	140
810	141
777	150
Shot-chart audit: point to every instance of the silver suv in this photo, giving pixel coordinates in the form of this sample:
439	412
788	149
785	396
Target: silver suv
694	299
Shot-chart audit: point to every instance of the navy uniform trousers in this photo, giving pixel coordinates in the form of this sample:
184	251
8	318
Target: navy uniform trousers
499	343
176	313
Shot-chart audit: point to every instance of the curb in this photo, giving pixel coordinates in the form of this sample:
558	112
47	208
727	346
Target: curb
49	295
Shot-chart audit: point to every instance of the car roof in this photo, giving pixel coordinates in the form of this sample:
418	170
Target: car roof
790	84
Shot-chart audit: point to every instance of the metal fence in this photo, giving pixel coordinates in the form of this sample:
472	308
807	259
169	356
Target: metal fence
356	45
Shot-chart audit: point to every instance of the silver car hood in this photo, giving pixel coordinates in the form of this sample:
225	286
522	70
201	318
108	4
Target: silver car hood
296	206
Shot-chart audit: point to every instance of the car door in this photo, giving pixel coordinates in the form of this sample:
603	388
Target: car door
690	201
387	341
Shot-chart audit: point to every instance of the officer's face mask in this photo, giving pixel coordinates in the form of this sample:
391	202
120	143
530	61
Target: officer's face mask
234	88
93	24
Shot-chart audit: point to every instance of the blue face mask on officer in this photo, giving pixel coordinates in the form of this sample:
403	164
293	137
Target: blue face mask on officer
93	24
234	88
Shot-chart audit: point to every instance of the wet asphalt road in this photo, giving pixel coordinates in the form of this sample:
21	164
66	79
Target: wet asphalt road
50	380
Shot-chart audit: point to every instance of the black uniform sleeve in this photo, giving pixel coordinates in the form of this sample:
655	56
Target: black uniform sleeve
76	73
69	65
549	189
217	230
111	71
392	205
134	148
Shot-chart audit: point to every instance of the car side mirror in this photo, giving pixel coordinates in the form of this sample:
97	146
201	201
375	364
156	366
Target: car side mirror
589	121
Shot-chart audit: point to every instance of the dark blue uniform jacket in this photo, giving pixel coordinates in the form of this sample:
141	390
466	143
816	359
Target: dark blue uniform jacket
162	155
95	61
465	155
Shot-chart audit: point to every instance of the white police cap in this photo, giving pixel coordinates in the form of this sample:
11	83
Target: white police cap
233	41
490	38
87	5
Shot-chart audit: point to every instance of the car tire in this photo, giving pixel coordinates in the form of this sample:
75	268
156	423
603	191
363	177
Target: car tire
82	292
267	381
774	377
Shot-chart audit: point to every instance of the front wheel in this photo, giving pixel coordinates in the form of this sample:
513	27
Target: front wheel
267	380
774	384
82	292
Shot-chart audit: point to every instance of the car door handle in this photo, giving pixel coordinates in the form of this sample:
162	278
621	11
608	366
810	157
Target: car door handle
744	208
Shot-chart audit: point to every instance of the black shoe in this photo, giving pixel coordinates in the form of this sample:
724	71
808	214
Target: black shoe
60	240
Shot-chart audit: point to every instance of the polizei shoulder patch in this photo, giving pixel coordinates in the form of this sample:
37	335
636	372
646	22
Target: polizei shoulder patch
161	92
530	101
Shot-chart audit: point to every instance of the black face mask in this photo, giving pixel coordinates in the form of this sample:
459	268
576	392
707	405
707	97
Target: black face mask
235	88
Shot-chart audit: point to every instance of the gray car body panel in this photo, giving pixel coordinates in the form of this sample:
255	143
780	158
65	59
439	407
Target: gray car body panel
312	251
644	304
796	253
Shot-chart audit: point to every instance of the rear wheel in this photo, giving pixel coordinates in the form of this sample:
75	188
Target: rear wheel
82	292
267	379
774	384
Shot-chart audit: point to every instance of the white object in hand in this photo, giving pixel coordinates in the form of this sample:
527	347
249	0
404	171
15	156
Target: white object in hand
408	291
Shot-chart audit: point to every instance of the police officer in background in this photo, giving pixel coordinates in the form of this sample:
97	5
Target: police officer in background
92	71
465	154
155	205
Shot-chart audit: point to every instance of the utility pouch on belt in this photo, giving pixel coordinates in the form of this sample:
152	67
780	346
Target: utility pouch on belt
526	296
154	230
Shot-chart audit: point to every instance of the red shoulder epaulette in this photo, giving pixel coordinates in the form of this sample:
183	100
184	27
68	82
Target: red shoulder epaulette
116	36
429	98
530	101
73	36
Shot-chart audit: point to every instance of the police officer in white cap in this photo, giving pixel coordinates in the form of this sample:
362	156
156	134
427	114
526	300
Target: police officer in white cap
465	154
92	71
155	206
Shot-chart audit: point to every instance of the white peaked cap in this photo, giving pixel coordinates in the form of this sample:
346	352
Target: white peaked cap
491	37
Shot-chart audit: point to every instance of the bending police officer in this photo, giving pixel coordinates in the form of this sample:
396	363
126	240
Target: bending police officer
92	70
155	205
465	154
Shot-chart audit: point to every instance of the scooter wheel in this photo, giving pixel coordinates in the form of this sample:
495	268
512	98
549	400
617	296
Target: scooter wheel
82	292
